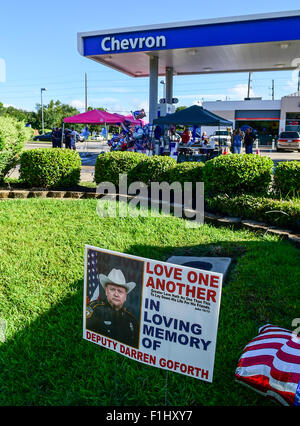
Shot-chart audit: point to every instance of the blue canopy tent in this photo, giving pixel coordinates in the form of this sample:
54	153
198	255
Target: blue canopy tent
193	116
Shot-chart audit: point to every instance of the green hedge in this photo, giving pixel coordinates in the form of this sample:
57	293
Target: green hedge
29	133
190	171
287	179
141	168
238	173
12	141
110	164
152	169
48	167
262	209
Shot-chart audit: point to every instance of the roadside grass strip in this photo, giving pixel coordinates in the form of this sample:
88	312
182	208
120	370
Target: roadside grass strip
44	359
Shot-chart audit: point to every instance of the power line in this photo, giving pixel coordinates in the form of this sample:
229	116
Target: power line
133	81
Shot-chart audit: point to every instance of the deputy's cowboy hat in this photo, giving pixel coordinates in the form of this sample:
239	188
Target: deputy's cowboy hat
116	277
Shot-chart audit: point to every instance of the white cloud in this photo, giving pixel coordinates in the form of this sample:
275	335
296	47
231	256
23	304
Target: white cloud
240	91
77	104
197	99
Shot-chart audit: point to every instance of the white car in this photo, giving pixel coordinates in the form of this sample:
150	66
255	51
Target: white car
288	140
221	137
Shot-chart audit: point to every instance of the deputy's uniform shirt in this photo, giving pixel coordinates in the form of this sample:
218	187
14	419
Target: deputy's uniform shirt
119	325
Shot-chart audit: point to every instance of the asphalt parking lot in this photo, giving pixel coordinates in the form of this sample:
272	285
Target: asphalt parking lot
90	151
280	156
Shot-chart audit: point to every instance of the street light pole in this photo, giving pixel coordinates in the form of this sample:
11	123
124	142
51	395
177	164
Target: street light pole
85	85
43	89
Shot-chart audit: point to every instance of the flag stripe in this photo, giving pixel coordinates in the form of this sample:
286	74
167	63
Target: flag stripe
270	364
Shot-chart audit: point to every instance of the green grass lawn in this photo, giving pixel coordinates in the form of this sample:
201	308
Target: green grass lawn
45	361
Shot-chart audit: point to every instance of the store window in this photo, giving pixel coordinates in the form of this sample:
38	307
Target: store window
266	131
292	121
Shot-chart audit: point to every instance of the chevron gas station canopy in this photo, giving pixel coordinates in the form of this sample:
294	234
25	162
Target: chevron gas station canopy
260	42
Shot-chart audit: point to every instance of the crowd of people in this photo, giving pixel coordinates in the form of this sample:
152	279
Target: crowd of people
189	137
239	138
70	138
130	137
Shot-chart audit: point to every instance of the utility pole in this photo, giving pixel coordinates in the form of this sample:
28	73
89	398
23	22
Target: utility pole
42	106
85	84
298	90
249	82
272	90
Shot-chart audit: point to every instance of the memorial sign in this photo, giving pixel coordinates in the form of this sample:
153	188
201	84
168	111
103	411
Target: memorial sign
154	312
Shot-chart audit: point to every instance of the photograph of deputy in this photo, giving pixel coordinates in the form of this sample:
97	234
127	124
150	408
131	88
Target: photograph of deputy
110	317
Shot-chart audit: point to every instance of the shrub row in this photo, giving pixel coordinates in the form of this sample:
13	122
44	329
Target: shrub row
110	164
48	167
263	209
13	135
235	185
287	179
140	168
239	173
227	173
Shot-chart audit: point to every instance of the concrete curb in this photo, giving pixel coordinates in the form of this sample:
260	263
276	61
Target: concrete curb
216	219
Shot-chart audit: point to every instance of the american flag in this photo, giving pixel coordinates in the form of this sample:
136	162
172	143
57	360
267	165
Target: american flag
270	364
92	280
139	114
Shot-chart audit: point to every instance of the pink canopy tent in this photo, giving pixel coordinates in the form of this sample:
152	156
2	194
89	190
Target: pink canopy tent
137	121
94	116
134	121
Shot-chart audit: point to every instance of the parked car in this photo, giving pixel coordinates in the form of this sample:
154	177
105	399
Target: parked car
44	137
222	137
288	140
80	138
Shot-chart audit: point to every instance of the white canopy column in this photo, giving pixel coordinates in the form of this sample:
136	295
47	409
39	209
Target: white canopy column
153	88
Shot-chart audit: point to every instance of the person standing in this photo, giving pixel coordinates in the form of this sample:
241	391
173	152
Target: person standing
58	138
249	141
185	137
73	138
157	132
237	141
68	138
53	138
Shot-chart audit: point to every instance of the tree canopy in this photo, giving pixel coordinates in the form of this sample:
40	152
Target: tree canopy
54	113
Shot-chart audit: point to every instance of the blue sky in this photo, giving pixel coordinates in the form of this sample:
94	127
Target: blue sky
38	45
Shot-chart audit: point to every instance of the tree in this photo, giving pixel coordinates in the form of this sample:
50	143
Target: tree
12	141
180	108
54	113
